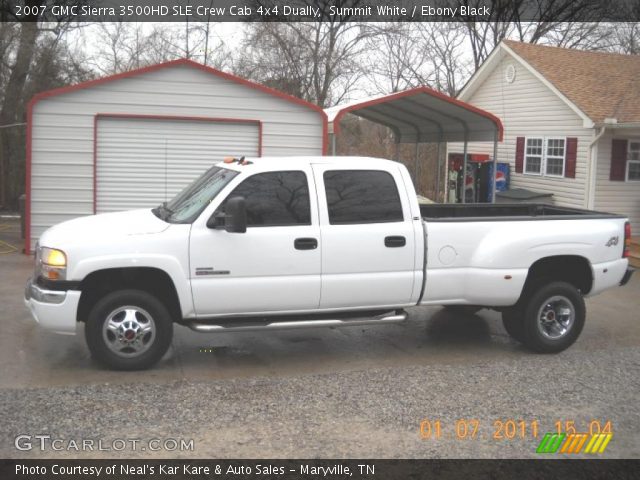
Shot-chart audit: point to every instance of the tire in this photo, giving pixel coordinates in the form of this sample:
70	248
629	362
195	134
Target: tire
513	322
128	330
554	316
462	309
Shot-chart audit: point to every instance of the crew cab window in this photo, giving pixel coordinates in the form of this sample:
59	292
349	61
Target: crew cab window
275	199
362	196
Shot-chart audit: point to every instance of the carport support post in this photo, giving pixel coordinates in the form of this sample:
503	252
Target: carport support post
437	199
417	169
333	144
464	171
495	166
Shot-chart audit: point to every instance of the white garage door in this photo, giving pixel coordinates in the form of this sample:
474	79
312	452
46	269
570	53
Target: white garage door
142	162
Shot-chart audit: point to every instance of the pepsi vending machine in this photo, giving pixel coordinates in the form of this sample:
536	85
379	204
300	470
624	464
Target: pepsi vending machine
476	184
502	179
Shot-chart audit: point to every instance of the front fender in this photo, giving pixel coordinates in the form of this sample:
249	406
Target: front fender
167	263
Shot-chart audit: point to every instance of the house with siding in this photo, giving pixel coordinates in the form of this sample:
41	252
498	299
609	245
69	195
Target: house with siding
571	123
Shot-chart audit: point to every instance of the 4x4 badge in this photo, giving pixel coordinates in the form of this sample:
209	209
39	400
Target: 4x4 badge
612	242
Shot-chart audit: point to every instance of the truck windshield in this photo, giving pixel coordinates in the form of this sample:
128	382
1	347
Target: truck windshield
190	202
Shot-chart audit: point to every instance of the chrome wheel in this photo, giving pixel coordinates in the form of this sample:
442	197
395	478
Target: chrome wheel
556	317
129	331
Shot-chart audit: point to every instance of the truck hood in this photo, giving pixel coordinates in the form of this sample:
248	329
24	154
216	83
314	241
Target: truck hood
104	226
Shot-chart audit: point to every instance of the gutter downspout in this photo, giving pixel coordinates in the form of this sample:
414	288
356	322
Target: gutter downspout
593	168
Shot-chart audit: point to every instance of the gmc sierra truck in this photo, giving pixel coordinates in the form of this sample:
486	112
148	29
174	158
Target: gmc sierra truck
281	243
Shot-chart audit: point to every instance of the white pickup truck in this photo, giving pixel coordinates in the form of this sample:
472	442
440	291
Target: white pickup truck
274	243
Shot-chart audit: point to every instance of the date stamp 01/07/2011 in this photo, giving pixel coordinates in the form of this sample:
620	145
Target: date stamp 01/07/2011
565	436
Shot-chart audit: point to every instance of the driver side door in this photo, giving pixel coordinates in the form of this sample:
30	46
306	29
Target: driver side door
274	266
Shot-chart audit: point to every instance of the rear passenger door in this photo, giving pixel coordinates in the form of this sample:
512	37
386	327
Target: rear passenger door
368	245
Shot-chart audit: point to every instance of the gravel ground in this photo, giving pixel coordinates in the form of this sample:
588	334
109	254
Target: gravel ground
343	393
371	413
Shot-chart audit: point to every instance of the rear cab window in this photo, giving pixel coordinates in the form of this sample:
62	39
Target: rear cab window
362	196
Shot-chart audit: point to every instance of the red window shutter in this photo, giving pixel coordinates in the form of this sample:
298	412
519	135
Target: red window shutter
571	158
618	160
519	154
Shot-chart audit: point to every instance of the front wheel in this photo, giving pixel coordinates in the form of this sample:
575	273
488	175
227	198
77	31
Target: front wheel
128	330
553	318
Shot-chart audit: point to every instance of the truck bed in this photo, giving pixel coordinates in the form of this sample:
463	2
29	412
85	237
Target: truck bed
478	212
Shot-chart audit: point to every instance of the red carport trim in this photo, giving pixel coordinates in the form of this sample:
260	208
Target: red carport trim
152	68
159	117
414	91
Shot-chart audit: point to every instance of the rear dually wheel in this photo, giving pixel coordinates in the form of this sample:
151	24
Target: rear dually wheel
553	317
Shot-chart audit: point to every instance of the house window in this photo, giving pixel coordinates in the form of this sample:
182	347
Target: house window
633	161
545	156
533	156
555	157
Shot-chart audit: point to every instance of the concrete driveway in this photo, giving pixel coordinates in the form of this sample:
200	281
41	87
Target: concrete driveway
352	392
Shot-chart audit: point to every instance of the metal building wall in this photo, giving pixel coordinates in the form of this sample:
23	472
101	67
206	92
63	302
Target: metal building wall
141	162
61	147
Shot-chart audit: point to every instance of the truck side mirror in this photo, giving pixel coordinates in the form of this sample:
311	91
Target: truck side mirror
234	219
235	215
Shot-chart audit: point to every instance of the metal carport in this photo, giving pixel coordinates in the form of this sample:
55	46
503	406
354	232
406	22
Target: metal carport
423	115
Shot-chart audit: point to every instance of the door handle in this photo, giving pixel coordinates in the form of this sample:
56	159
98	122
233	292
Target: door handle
305	243
395	241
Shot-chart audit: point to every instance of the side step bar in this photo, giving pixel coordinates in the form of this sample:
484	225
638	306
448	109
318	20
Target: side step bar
397	317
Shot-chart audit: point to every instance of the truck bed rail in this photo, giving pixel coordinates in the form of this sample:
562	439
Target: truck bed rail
479	212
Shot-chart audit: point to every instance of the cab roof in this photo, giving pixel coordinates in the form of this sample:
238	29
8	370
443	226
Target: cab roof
288	163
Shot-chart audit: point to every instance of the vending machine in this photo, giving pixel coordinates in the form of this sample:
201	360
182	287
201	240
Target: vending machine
502	178
472	182
477	185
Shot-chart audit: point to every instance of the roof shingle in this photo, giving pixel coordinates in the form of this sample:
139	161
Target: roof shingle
602	85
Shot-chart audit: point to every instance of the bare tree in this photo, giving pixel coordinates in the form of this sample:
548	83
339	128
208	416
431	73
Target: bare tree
16	78
119	47
317	61
408	55
393	57
625	38
446	65
19	46
532	21
212	47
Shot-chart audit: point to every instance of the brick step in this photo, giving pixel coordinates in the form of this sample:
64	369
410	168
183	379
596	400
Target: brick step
634	261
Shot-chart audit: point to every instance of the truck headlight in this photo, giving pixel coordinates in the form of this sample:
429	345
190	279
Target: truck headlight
51	264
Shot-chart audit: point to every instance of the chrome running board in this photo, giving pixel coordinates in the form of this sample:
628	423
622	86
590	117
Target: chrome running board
237	326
